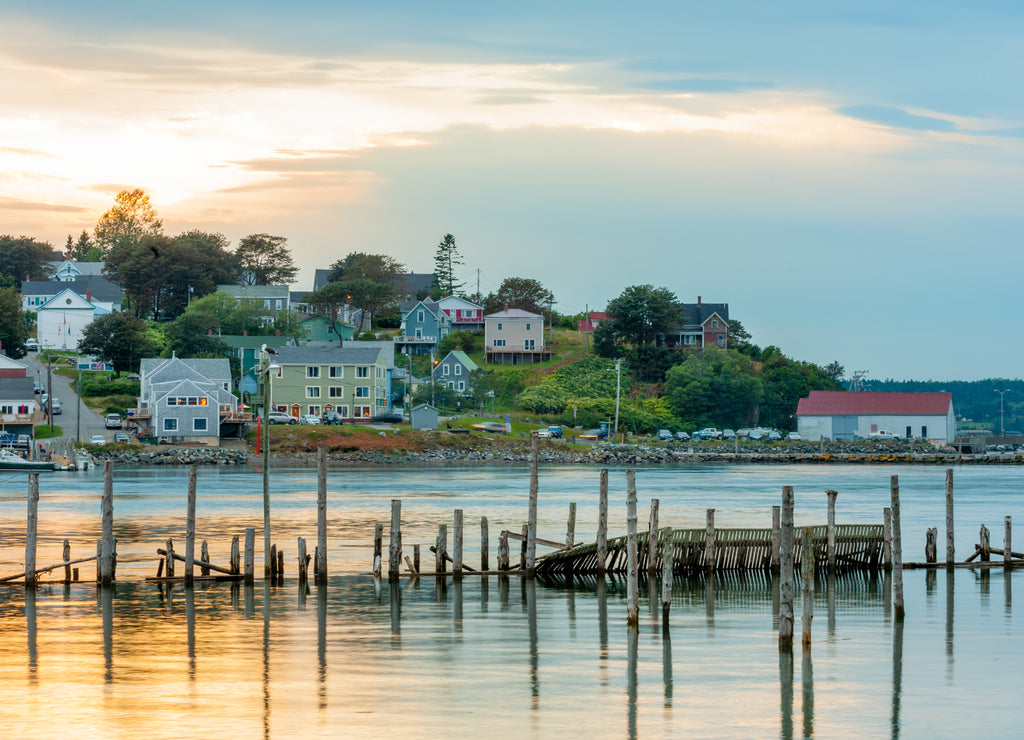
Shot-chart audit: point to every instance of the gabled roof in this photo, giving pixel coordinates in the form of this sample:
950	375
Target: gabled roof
260	292
847	403
513	313
6	363
98	287
161	370
411	283
453	301
326	355
462	358
698	313
67	300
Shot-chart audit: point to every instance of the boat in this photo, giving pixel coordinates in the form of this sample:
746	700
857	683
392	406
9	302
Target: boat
10	461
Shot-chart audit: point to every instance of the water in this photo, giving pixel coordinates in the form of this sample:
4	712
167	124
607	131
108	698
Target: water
494	657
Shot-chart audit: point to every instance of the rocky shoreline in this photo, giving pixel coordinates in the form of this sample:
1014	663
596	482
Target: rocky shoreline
602	454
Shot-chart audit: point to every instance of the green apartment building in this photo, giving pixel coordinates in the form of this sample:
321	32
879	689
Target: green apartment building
354	381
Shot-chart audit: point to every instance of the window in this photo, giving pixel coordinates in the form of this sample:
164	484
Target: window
420	316
199	425
499	342
446	369
528	344
458	370
362	412
499	327
279	304
343	412
7	409
312	371
312	391
721	339
362	372
315	410
362	391
336	371
527	327
380	372
265	303
714	323
462	385
170	425
335	391
187	401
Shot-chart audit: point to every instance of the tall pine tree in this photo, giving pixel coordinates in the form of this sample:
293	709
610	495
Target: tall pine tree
446	259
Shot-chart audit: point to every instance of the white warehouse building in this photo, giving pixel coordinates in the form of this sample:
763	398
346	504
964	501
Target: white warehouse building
844	415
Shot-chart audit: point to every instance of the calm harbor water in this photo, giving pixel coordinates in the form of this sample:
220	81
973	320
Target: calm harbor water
506	658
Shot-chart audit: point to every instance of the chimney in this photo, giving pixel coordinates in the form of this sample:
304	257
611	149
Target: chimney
506	307
277	332
88	294
698	300
245	332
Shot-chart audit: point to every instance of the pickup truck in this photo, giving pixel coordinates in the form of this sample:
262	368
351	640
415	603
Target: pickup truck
708	433
884	435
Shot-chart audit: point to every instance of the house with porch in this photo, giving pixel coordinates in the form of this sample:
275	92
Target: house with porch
464	315
700	325
424	324
352	380
187	400
453	371
19	410
514	337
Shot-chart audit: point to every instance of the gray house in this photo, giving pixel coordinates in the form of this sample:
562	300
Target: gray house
185	400
423	416
453	371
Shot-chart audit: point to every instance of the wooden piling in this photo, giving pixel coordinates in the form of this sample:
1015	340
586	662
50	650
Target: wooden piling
570	526
652	537
887	538
320	566
931	545
776	537
204	555
984	540
786	571
522	550
503	563
250	554
807	586
1006	542
378	536
457	544
709	542
484	544
169	558
190	526
950	558
395	543
897	549
300	546
830	552
31	529
666	576
67	559
632	585
602	522
531	522
273	560
106	565
440	548
235	569
416	558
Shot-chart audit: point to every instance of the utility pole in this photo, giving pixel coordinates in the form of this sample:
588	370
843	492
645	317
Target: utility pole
618	386
1002	429
586	324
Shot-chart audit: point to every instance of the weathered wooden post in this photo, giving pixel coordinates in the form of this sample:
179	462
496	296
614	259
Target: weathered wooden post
190	526
1006	542
931	545
602	522
416	558
667	556
830	553
204	555
776	537
320	565
570	526
280	564
503	563
107	516
897	549
786	571
169	559
950	558
235	562
709	542
31	529
531	522
807	585
440	548
522	550
273	561
378	537
652	537
887	538
632	585
457	546
984	540
250	554
484	545
67	559
395	543
303	563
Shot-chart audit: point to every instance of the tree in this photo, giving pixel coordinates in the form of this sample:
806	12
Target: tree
524	293
446	259
714	387
24	258
131	218
329	301
224	314
265	260
189	336
379	268
463	340
835	372
82	250
117	338
641	313
13	329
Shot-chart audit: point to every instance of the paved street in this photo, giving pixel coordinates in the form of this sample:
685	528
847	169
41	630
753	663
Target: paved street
91	424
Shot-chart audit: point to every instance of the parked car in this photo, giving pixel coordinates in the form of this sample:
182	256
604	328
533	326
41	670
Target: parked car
122	437
97	439
682	436
556	431
708	433
332	418
38	387
309	419
774	435
755	435
794	436
595	434
388	418
490	426
23	441
280	417
113	421
56	406
884	435
664	435
728	434
32	344
543	434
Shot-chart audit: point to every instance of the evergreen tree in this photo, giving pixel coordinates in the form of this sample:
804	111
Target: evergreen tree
446	259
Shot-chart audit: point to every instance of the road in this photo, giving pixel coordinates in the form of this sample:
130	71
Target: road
92	423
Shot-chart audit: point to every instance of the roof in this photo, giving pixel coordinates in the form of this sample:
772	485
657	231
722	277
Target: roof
72	301
846	403
255	291
698	313
180	368
100	288
17	389
513	313
461	357
452	301
326	355
251	341
411	283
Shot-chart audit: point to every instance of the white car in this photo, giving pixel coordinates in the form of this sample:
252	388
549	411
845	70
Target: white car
97	439
794	436
309	419
32	345
884	435
543	434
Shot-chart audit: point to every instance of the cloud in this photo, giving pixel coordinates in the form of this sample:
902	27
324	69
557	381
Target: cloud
511	99
885	115
15	204
705	85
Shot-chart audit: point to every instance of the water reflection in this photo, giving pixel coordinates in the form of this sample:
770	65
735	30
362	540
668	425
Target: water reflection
632	679
897	676
786	693
106	597
30	631
807	695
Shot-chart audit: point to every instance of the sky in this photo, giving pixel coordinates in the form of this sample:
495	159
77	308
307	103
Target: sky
846	176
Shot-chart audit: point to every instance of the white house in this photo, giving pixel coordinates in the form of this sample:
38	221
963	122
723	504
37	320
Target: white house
844	415
514	337
62	319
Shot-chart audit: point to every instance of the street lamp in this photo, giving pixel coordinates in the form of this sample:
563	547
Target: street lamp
618	388
266	367
1002	429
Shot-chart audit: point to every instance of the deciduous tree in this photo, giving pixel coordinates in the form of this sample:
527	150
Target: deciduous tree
24	258
641	313
265	260
524	293
117	338
13	329
131	218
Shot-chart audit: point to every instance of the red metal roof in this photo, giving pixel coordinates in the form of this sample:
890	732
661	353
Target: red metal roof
833	403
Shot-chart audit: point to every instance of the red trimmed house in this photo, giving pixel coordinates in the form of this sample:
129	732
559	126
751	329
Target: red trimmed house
844	415
593	320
